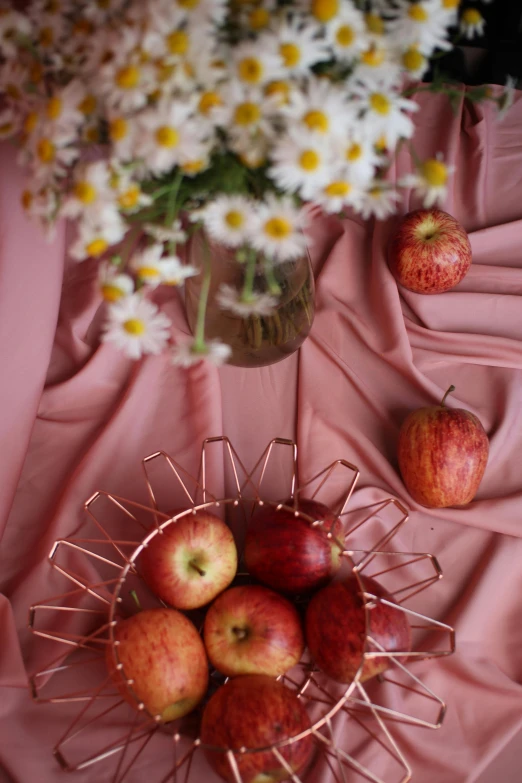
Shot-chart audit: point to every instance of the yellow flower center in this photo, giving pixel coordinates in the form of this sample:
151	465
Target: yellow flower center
6	128
309	160
193	166
134	326
188	5
167	136
412	59
92	134
54	108
85	192
374	24
148	271
128	77
88	105
234	219
376	191
345	35
45	151
111	293
30	122
325	10
278	228
46	37
208	100
13	91
82	27
337	189
381	144
373	57
354	152
26	199
130	197
250	70
258	18
36	72
434	172
96	247
418	13
118	129
380	103
471	16
281	89
178	42
291	54
164	71
316	120
450	4
247	113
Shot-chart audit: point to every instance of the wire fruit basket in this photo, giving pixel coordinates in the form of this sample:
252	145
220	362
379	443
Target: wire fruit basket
98	566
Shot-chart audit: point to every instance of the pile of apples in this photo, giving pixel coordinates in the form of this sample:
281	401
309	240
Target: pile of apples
296	597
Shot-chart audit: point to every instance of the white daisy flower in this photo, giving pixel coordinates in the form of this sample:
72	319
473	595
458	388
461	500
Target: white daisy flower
245	112
357	152
126	85
49	31
47	157
506	100
41	203
167	134
187	353
299	46
422	24
321	107
62	115
97	234
340	192
378	63
146	264
430	180
14	78
173	233
414	63
99	11
229	298
346	34
256	62
113	284
173	272
385	114
90	188
10	123
136	327
301	162
471	23
253	151
122	132
450	8
378	200
198	11
197	158
228	219
129	195
324	11
12	26
278	230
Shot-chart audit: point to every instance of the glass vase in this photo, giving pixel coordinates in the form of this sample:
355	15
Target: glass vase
255	340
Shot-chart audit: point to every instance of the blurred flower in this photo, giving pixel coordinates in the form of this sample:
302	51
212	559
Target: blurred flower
229	298
430	180
472	23
186	353
136	327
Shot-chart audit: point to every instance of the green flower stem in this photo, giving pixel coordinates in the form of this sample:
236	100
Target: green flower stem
170	213
199	337
273	285
248	285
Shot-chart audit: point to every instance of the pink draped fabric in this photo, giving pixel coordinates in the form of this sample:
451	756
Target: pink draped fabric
77	417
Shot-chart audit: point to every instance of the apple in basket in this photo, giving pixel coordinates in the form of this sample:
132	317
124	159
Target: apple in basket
429	253
336	629
442	455
285	551
191	561
161	653
250	629
255	711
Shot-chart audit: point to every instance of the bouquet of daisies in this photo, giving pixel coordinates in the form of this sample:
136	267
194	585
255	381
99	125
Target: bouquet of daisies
236	113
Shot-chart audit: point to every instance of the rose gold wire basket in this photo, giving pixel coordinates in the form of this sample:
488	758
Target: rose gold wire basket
98	568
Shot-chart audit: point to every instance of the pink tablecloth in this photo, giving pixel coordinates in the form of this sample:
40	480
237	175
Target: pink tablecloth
77	417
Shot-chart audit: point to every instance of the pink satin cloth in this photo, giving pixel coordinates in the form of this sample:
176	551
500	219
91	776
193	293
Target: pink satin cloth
78	416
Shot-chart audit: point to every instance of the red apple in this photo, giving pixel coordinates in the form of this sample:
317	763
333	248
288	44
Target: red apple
336	629
252	630
429	252
193	560
287	552
255	711
162	653
442	454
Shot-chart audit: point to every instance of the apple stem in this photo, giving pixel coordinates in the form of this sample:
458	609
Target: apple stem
136	600
197	568
451	389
